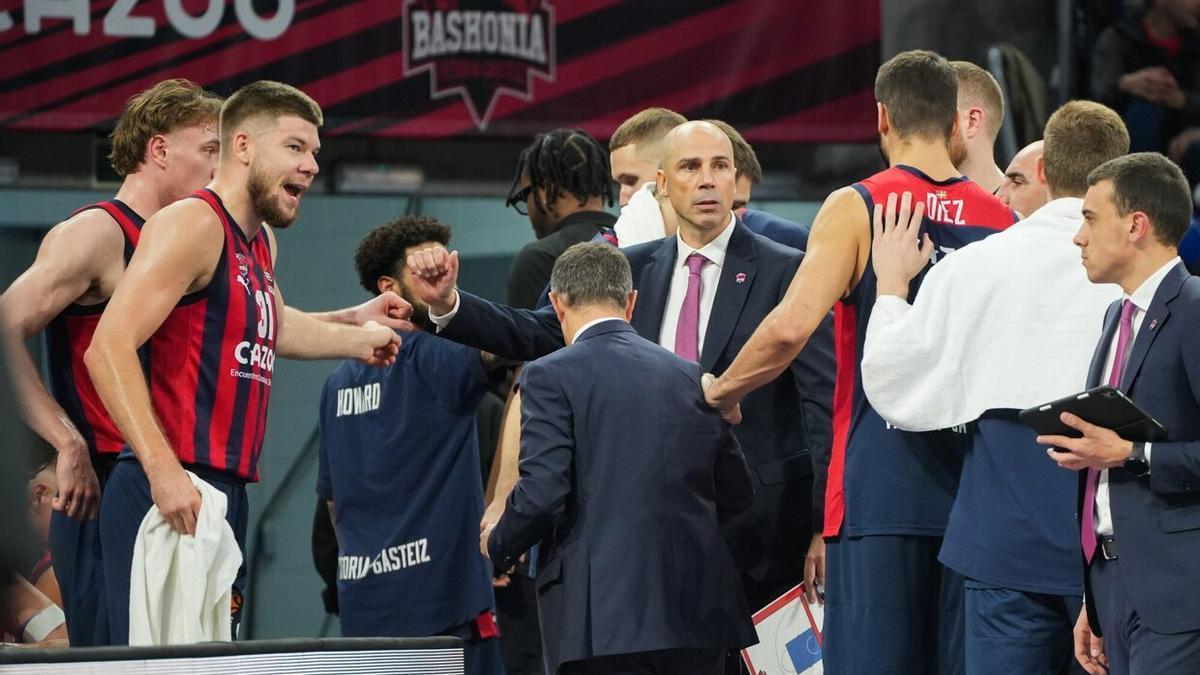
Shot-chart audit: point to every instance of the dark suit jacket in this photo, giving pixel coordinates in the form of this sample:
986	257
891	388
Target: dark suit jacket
776	229
1156	519
624	470
786	429
530	269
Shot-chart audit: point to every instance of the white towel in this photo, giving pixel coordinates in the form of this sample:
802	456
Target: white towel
180	586
1005	323
641	219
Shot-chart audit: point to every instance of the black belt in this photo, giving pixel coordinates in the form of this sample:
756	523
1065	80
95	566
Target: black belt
1106	547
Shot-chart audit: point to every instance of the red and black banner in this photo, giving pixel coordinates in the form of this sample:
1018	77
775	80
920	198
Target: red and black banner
778	70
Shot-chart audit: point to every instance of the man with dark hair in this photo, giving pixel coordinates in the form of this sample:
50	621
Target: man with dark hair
164	146
625	497
995	329
1139	502
1147	67
889	492
980	114
408	431
562	184
200	290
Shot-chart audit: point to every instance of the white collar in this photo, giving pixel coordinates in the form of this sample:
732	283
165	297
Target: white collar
1144	295
713	250
593	322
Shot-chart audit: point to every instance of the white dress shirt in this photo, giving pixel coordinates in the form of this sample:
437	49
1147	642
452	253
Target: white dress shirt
593	322
710	274
1142	297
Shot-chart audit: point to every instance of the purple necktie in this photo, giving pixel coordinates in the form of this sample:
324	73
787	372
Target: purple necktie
1087	526
687	330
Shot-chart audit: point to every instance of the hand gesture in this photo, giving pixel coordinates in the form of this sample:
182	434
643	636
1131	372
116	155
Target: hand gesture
386	309
1099	448
176	497
378	345
435	275
898	251
78	490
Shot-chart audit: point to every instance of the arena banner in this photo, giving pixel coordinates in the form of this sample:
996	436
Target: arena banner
779	70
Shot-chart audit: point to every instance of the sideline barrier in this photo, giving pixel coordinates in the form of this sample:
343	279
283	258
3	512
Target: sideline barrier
394	656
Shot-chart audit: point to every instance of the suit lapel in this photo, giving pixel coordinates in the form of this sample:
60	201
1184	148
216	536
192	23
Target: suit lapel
1156	315
653	285
1111	319
733	287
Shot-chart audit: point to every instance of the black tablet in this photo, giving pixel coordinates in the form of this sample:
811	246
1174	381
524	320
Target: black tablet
1102	406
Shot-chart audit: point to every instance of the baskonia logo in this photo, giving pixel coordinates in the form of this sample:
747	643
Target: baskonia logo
479	48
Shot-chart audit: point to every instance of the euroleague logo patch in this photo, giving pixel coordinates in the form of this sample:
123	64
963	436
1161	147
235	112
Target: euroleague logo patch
479	49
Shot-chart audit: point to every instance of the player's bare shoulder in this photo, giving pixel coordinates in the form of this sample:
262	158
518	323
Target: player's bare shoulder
187	237
88	245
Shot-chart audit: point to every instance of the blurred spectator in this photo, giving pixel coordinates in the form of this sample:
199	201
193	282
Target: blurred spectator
40	491
1147	67
399	466
563	185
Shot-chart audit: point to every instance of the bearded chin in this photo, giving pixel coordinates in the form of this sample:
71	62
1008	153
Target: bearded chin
265	205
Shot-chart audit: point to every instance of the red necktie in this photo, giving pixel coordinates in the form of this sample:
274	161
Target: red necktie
1087	525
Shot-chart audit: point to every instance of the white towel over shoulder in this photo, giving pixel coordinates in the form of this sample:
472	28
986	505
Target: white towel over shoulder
1005	323
641	219
180	586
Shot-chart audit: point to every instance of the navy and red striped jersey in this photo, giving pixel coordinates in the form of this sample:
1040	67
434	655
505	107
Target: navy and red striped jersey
883	480
212	360
68	336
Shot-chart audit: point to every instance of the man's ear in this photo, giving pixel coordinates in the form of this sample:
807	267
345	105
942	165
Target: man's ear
156	150
1041	169
882	123
559	304
975	121
1140	227
660	181
385	283
629	303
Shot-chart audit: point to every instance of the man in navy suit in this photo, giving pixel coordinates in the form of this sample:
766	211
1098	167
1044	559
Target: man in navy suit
624	474
1140	502
786	430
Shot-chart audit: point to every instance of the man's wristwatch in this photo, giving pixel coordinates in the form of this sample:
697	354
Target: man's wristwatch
1136	463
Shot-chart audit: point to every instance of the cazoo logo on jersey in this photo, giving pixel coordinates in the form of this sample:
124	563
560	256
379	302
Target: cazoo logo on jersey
479	48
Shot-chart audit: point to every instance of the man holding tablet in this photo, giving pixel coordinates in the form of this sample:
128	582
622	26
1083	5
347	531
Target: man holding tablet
1140	502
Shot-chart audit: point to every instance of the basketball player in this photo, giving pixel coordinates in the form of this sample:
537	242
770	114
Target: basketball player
200	293
890	606
164	145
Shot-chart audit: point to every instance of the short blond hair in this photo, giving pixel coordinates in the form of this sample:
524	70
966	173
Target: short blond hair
1079	137
266	98
648	126
167	106
977	86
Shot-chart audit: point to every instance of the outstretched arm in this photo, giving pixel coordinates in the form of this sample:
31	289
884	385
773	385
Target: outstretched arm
70	262
365	332
837	253
518	334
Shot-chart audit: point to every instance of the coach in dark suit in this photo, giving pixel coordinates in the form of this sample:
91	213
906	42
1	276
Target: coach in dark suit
786	428
1140	502
624	473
